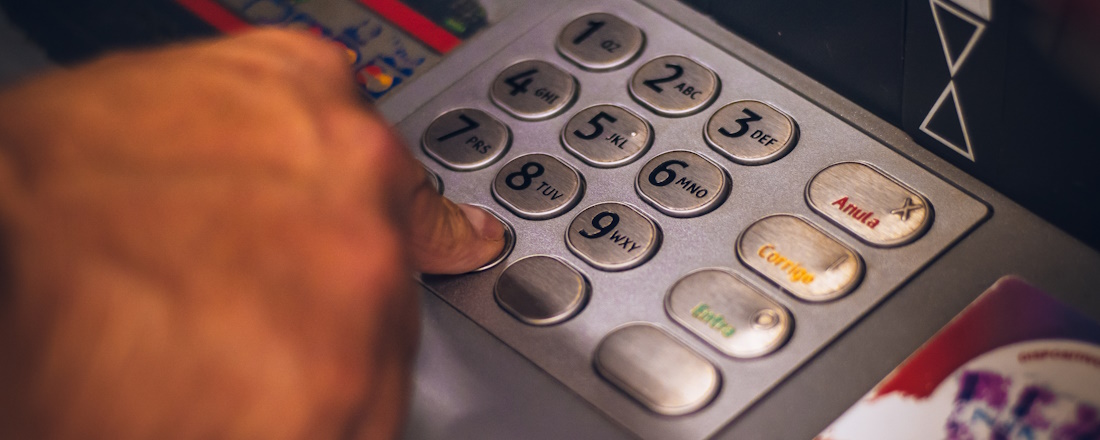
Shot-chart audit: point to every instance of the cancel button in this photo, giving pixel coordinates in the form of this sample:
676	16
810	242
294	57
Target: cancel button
870	204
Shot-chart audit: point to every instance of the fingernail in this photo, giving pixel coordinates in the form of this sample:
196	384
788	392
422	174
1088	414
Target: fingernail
487	225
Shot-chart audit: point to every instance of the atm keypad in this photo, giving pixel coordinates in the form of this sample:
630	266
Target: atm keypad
707	231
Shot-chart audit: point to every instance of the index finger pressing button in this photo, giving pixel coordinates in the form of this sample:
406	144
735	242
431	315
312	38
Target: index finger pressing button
533	90
537	186
613	236
682	184
466	139
674	86
541	290
751	132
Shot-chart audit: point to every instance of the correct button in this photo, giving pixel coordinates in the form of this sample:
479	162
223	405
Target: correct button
600	41
659	372
674	86
541	290
682	184
869	204
538	186
725	311
533	90
751	132
466	139
613	236
800	258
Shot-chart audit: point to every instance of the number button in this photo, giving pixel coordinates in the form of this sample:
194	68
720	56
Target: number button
674	86
600	41
606	136
466	139
682	184
751	132
613	236
533	90
537	186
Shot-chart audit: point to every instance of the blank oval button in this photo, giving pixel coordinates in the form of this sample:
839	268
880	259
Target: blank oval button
725	311
541	290
869	204
656	370
800	258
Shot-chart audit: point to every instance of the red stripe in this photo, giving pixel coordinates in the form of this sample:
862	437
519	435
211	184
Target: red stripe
412	22
216	15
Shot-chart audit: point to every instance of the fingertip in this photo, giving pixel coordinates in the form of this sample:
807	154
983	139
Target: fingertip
488	226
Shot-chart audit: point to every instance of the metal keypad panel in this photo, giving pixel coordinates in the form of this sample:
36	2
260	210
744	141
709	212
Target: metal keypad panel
533	90
696	279
466	139
600	41
682	184
751	132
674	86
606	136
538	186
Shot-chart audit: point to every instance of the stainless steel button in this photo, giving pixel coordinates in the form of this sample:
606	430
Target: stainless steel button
434	179
800	258
613	236
538	186
682	184
869	204
509	243
725	311
600	41
466	139
606	136
751	132
533	90
541	290
674	86
656	370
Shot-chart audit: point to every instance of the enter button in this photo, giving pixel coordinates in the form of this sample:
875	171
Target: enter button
871	205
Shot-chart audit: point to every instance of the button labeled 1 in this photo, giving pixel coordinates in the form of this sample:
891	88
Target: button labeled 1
533	90
600	41
466	139
537	186
674	86
751	132
682	184
800	258
606	136
613	236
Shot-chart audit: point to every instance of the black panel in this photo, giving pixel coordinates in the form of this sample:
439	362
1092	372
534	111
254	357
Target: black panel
852	46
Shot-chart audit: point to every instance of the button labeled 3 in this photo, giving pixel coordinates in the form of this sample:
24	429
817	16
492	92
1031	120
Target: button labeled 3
533	90
541	290
800	258
600	41
538	186
606	136
751	132
657	370
613	236
674	86
466	139
869	204
725	311
682	184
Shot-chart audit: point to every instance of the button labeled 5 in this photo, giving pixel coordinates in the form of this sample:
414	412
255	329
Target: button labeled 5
606	136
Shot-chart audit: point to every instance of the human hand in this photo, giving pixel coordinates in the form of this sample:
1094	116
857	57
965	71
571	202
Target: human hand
213	240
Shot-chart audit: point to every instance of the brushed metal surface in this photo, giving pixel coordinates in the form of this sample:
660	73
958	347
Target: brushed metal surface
613	236
869	204
466	139
533	90
538	186
652	367
673	85
800	258
541	290
751	132
600	41
682	184
724	310
607	136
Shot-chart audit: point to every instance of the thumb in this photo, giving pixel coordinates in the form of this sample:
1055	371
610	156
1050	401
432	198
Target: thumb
449	238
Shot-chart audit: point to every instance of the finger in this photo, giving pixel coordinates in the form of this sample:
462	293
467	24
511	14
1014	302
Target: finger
448	238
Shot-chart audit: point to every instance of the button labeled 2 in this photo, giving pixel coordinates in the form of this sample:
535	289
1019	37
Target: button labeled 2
674	86
538	186
682	184
613	236
533	90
